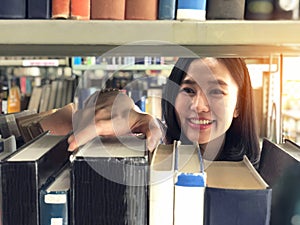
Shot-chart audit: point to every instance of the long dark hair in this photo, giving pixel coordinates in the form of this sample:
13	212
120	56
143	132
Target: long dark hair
241	138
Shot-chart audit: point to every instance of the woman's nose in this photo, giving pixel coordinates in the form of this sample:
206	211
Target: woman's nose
200	103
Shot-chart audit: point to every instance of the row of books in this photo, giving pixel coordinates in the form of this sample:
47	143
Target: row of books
126	60
116	181
52	95
26	125
148	9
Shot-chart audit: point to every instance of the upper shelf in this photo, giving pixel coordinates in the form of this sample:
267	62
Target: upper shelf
96	37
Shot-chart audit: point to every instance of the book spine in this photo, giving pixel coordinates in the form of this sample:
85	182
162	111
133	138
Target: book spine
191	10
229	206
141	9
104	9
60	9
189	190
38	9
54	207
13	9
161	197
20	199
166	9
98	198
259	10
223	9
80	9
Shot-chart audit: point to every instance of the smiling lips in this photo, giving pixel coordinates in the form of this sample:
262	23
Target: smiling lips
200	123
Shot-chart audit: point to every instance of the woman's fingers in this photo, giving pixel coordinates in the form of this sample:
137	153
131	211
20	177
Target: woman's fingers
112	114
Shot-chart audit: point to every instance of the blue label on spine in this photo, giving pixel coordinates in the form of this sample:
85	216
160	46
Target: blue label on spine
191	180
192	4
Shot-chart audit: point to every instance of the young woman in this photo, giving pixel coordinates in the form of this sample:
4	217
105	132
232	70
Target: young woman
210	101
206	100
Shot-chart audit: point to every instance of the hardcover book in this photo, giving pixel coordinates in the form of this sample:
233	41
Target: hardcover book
236	192
191	10
141	9
233	192
13	9
38	9
166	9
55	199
61	9
80	9
280	167
223	9
108	10
109	182
24	172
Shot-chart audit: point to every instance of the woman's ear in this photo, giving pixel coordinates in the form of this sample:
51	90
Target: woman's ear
236	113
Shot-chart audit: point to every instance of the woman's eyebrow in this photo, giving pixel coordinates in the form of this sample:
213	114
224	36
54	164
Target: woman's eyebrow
188	81
218	82
211	82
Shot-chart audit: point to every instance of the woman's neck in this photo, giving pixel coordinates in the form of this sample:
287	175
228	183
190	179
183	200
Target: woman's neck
212	149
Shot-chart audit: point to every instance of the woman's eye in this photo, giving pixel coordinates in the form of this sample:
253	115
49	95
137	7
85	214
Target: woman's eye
187	90
217	92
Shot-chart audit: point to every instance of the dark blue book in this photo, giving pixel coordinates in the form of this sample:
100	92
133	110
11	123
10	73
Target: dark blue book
236	194
13	9
167	9
55	198
24	172
39	9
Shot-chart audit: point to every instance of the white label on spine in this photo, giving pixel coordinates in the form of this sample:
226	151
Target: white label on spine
55	198
56	221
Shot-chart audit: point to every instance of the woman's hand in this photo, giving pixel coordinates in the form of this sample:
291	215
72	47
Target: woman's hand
112	113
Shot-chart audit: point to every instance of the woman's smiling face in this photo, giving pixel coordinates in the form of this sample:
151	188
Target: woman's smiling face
207	100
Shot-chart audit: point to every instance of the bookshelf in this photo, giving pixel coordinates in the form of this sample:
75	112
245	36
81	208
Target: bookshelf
95	37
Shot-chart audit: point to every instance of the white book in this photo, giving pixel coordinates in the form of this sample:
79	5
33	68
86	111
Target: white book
190	182
161	195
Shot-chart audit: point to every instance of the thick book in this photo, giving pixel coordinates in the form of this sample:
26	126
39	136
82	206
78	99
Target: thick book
24	172
13	9
61	9
191	10
167	9
161	186
108	10
80	9
109	182
141	9
224	9
55	199
236	194
189	185
233	193
280	167
177	185
38	9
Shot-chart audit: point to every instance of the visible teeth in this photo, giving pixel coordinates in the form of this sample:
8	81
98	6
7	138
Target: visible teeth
201	122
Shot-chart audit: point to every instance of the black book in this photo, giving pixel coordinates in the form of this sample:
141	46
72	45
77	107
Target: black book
39	9
280	167
13	9
25	171
109	182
